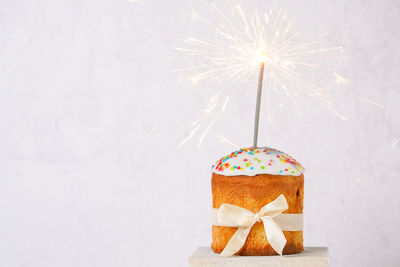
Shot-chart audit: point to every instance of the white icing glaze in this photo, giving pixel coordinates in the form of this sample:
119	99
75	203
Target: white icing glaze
261	160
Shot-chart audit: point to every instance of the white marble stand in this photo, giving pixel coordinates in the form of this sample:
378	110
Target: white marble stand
310	257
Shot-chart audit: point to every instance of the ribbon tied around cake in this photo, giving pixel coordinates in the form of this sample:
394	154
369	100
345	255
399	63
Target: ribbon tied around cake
270	215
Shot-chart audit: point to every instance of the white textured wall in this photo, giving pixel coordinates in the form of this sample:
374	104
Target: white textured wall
82	185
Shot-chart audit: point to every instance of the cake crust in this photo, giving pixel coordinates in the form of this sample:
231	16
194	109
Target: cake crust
252	193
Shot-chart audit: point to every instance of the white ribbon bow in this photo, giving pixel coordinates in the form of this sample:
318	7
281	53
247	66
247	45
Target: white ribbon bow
234	216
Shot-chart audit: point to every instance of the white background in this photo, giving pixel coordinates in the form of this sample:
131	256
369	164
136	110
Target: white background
91	115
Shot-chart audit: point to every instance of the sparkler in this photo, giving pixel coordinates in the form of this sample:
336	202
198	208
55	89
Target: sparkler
245	43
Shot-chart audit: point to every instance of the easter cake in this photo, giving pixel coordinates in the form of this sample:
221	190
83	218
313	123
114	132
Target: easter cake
248	185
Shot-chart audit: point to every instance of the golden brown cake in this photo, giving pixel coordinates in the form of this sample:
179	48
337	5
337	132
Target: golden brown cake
251	178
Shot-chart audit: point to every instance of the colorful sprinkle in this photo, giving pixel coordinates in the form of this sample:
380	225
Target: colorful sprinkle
253	161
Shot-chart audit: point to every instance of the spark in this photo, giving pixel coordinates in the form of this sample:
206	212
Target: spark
364	99
189	136
150	133
242	40
341	80
212	122
206	120
223	139
396	142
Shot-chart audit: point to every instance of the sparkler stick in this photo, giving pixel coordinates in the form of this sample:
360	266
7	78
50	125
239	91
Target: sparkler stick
257	116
